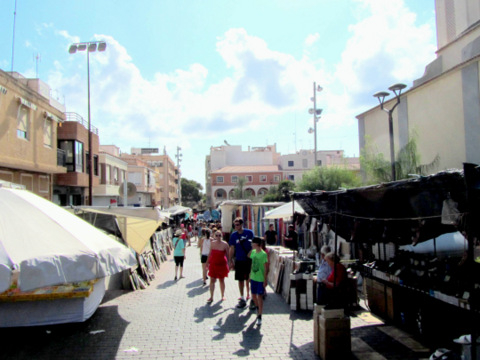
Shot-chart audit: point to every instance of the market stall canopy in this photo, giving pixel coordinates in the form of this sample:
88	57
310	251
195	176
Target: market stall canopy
396	212
284	211
44	245
178	210
137	225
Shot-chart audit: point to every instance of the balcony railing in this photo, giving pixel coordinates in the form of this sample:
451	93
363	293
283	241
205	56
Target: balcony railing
71	116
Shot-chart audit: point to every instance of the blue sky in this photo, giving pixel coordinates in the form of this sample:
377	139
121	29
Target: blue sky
193	73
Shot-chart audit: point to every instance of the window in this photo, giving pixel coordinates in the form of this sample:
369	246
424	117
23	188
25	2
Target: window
95	165
263	178
291	177
67	146
276	178
249	178
47	132
305	163
220	179
79	156
319	162
290	163
234	179
22	122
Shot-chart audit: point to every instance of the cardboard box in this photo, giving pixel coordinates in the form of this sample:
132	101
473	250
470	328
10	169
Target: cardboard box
334	338
333	313
335	324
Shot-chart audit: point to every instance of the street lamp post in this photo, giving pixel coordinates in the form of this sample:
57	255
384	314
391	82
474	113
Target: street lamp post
90	46
397	90
316	116
179	155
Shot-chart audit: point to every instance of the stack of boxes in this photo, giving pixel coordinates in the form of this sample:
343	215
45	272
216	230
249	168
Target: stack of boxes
301	291
331	333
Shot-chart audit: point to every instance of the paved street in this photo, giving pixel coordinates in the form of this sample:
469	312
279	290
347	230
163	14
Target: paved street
171	320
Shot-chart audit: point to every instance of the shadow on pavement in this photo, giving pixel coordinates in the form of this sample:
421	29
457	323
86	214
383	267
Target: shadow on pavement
166	284
252	338
233	324
67	341
208	311
199	291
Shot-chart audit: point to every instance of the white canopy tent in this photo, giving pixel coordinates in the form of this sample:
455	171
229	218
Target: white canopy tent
42	244
284	211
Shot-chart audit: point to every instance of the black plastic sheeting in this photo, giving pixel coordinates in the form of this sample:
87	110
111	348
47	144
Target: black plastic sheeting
402	212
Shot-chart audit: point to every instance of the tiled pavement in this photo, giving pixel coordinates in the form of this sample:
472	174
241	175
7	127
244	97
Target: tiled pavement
171	320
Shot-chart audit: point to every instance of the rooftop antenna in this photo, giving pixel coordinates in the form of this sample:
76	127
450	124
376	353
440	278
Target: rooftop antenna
13	40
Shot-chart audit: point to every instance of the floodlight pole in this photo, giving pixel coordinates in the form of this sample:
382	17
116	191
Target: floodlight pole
397	90
90	46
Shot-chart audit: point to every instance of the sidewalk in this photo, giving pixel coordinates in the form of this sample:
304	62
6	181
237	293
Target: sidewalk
171	320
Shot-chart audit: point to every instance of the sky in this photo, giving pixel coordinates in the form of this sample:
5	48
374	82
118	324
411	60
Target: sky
196	73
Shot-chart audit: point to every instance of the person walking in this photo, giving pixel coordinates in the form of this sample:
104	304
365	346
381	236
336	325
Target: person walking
258	276
271	235
204	246
218	264
240	245
178	253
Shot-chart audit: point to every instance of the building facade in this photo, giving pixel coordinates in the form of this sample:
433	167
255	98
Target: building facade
30	118
258	179
443	106
113	172
72	187
166	175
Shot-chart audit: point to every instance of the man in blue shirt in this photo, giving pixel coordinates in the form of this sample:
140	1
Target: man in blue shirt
240	245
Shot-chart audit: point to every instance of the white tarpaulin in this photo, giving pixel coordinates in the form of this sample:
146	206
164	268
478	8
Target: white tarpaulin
48	246
136	224
283	212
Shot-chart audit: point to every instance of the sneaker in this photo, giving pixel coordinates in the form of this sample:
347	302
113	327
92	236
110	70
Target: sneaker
252	305
259	321
241	304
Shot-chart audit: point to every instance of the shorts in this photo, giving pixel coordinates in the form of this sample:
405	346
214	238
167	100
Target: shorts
179	260
256	287
242	269
204	259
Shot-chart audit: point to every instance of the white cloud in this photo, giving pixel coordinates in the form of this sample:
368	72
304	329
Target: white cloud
386	46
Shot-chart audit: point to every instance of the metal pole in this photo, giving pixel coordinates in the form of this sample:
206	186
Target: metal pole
13	38
392	149
90	154
315	121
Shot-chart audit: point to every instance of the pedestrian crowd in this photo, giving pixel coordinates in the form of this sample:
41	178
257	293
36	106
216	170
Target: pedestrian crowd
242	253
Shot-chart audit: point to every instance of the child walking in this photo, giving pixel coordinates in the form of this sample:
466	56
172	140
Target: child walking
258	275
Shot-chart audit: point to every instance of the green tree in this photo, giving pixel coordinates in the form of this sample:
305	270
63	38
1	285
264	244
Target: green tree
280	192
191	191
238	191
377	169
328	179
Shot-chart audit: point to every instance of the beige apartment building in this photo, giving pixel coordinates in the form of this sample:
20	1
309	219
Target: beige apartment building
113	171
166	175
443	106
29	118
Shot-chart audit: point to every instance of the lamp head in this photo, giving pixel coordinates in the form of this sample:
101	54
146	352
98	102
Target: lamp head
102	45
319	88
397	89
381	95
72	49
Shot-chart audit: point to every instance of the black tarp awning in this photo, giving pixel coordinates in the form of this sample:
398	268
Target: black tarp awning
402	212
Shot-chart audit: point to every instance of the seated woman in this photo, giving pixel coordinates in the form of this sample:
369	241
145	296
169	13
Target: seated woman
329	289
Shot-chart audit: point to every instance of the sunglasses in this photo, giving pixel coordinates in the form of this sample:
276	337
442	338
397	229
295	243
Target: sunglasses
218	235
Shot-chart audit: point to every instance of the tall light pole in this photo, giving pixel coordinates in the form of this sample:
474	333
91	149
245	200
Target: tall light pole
179	155
90	46
316	116
397	90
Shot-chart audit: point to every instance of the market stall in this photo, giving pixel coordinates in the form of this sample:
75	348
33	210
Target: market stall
382	221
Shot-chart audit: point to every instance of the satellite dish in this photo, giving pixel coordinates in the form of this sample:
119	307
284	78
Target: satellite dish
131	189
